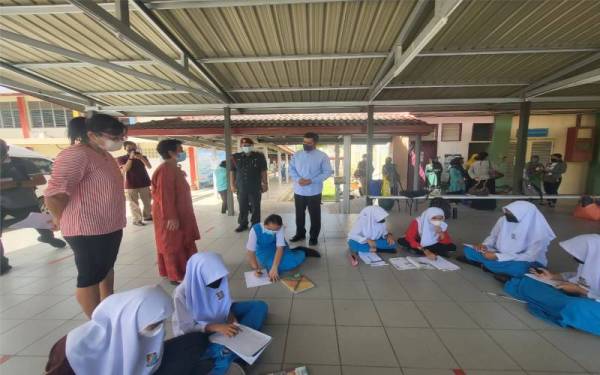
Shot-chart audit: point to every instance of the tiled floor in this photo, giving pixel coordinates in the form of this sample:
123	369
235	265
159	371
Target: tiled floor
355	322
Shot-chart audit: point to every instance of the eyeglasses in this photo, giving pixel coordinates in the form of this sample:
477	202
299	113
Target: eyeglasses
115	138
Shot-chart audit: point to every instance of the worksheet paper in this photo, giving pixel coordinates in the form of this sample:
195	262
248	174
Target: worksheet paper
421	263
35	220
443	264
402	264
253	281
372	259
248	344
553	283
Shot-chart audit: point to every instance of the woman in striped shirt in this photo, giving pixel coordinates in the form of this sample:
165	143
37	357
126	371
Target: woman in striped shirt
86	199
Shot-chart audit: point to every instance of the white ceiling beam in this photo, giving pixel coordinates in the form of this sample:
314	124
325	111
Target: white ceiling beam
51	96
96	62
516	51
129	36
135	92
560	73
79	64
442	11
325	56
592	76
182	108
23	10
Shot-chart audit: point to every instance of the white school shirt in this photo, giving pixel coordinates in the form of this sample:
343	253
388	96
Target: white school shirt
279	238
367	226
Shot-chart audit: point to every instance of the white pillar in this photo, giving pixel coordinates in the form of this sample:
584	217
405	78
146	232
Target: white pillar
287	168
278	171
337	171
347	174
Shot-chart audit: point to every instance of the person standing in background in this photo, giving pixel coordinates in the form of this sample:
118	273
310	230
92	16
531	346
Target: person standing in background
361	174
86	199
137	182
533	173
456	177
390	173
308	169
481	171
175	227
248	178
433	171
221	184
553	176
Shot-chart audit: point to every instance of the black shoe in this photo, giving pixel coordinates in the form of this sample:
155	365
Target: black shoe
54	242
313	242
241	228
297	238
309	252
138	223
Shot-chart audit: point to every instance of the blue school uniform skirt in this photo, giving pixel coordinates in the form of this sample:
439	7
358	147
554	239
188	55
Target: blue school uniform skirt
555	306
382	245
512	268
266	247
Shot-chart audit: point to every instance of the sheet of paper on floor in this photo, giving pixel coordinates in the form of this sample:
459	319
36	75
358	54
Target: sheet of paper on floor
372	259
402	264
253	281
248	344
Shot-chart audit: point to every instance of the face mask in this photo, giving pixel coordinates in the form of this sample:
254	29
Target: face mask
150	332
110	145
215	284
554	160
308	147
181	156
381	221
247	149
269	231
511	218
436	223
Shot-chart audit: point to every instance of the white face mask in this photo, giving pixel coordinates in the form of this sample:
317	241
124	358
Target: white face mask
436	223
247	149
110	145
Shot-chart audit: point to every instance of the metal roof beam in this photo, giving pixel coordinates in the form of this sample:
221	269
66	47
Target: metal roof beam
125	33
560	73
340	104
580	79
96	62
442	11
37	78
325	56
79	64
54	97
516	51
23	10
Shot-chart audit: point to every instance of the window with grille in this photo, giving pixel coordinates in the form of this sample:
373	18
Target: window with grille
482	132
9	115
451	132
48	115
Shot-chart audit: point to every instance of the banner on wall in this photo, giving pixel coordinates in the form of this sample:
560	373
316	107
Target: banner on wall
207	161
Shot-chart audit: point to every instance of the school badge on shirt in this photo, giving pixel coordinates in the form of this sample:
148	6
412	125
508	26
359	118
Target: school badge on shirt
220	295
151	359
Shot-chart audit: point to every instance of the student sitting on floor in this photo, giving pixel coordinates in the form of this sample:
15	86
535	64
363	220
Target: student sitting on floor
203	304
125	336
575	301
518	241
428	235
369	233
266	242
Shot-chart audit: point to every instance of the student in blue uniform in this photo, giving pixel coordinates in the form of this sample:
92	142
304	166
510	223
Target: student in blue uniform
369	233
267	246
518	241
203	304
575	300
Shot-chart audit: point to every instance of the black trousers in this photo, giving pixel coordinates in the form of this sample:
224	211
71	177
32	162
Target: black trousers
441	249
20	214
223	195
249	201
182	355
313	203
552	189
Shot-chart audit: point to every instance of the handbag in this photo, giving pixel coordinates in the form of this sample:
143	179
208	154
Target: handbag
479	188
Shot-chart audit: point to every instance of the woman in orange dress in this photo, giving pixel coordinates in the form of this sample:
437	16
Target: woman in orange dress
175	227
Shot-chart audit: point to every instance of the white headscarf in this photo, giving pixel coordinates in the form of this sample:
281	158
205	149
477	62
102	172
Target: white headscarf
586	248
514	238
368	224
426	229
115	341
207	305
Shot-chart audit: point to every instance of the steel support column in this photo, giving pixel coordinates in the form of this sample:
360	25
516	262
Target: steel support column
336	166
417	167
521	146
279	166
347	174
228	153
370	131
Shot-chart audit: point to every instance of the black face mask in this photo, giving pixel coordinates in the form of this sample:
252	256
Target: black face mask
511	218
308	147
381	221
577	260
554	160
215	284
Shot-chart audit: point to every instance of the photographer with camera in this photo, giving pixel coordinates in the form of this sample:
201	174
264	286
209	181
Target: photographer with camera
137	182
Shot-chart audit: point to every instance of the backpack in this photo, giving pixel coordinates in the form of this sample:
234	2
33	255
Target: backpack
443	204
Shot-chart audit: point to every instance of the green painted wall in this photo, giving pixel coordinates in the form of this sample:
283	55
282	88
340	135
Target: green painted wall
501	137
593	182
